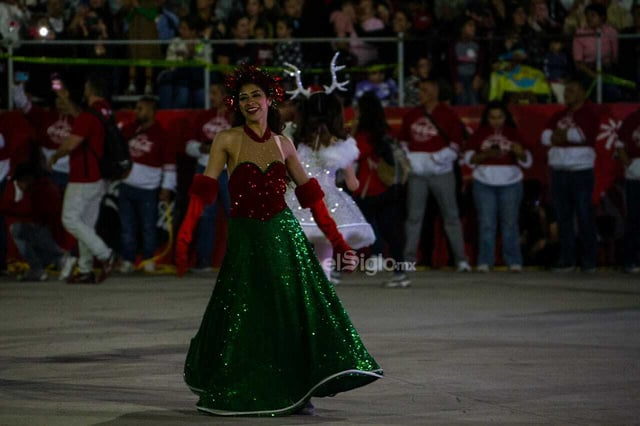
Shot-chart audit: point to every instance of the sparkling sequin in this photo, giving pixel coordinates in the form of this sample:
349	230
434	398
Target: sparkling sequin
274	329
351	223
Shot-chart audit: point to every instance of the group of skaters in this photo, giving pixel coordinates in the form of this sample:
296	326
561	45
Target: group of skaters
382	220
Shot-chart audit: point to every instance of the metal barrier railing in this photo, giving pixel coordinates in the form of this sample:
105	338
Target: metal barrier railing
208	65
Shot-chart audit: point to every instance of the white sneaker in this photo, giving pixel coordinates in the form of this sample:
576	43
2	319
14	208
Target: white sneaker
464	266
126	267
150	266
398	281
483	267
67	264
515	268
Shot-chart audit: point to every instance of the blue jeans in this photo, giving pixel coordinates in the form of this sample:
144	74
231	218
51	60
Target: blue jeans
632	232
207	223
36	245
138	209
571	192
498	204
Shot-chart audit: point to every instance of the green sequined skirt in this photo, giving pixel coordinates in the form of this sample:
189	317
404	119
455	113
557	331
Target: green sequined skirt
274	333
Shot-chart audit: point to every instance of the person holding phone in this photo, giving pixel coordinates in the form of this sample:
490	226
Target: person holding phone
84	145
497	156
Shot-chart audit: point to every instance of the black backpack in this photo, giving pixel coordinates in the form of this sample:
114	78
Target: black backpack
115	162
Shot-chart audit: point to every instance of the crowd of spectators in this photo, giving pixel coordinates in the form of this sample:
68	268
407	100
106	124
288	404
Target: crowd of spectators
484	49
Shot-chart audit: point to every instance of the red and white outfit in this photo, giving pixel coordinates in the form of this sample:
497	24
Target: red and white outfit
154	161
206	126
497	171
578	152
430	151
51	129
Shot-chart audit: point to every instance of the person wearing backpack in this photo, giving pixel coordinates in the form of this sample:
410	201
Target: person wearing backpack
377	201
434	134
85	189
152	179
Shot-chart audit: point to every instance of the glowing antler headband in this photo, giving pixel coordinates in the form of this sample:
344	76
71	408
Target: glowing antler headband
300	90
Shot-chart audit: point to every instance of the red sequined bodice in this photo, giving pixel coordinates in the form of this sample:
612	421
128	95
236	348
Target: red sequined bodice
257	193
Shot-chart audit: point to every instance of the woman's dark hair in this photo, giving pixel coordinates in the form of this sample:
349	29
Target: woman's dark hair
508	118
371	119
321	118
249	74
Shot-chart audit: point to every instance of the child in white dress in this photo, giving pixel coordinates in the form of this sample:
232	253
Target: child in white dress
323	149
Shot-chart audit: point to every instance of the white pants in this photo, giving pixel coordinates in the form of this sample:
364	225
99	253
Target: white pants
79	216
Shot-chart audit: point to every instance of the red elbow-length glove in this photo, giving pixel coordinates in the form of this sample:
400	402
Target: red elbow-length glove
310	195
202	192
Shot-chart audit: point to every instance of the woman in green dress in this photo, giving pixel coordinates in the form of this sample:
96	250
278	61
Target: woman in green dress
274	333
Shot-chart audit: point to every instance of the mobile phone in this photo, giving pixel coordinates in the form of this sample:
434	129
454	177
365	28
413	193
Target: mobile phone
56	84
22	76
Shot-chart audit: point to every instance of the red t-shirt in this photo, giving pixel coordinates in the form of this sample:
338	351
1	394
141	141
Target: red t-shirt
368	178
149	147
423	136
84	159
207	124
52	127
586	120
486	137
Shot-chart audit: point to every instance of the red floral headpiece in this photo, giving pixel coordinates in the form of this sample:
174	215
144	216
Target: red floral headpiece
246	74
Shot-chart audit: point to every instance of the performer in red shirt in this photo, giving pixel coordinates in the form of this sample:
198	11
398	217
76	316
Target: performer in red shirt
434	134
85	189
497	156
52	126
571	135
152	178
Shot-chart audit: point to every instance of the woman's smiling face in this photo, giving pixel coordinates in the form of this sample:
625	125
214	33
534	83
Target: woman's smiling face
253	102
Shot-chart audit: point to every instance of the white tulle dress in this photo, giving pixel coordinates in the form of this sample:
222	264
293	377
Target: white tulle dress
323	165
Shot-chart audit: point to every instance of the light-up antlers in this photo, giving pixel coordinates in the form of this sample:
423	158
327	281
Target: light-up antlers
334	78
299	90
293	71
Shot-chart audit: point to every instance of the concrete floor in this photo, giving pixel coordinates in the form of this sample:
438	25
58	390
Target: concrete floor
500	348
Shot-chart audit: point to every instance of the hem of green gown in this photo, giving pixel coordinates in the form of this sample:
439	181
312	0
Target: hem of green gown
376	374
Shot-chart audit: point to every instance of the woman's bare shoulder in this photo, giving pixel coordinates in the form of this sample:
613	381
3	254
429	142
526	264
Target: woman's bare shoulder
225	137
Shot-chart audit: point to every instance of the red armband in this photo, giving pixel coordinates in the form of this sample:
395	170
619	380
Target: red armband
205	188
